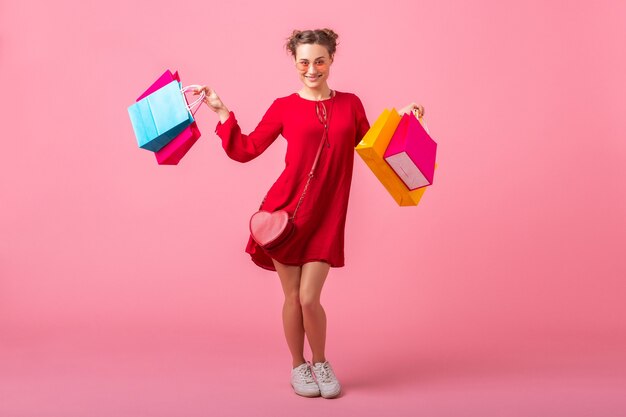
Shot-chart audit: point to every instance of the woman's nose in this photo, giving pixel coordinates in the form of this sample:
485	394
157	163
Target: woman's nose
311	70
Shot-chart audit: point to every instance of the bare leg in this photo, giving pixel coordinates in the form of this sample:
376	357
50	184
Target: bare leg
292	312
314	317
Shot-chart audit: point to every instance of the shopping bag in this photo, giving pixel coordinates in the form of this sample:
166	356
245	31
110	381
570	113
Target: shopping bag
411	153
175	150
372	150
166	78
160	116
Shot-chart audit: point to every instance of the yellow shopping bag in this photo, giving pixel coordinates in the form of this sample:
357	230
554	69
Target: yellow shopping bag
372	149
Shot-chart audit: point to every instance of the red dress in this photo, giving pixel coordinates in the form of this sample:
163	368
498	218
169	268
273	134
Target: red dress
320	220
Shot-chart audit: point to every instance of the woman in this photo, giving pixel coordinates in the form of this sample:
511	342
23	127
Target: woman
303	262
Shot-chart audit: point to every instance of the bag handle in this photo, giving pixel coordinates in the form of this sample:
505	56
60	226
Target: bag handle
196	102
419	113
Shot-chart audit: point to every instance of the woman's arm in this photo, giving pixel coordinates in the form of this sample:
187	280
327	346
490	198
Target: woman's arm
362	124
239	146
214	102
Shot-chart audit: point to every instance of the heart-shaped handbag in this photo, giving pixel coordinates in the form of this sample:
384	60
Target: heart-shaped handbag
271	229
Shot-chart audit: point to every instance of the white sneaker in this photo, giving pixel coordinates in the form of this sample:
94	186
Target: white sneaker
326	380
302	381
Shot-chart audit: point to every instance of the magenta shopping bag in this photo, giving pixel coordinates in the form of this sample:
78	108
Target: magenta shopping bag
174	151
411	153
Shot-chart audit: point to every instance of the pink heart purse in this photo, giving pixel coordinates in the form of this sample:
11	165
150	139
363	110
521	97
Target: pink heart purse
270	229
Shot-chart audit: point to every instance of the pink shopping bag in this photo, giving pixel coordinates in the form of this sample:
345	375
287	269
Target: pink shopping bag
411	153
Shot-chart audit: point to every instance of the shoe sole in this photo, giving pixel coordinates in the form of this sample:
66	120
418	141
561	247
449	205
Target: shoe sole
333	395
307	394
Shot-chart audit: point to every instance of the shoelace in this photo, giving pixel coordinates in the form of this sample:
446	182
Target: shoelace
305	374
324	373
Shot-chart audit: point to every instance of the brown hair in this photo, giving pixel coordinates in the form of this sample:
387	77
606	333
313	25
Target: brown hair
325	37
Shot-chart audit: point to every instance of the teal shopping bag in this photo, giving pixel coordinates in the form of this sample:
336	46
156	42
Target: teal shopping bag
159	117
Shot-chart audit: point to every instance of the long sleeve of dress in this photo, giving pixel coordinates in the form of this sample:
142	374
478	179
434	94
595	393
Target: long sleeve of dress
362	125
242	147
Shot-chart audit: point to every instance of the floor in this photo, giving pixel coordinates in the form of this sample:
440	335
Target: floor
192	372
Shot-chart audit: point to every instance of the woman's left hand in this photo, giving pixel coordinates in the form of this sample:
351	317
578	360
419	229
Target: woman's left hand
409	109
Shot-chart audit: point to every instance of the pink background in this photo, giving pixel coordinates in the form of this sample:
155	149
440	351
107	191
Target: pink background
124	285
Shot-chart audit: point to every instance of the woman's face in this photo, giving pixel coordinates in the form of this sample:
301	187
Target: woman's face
313	64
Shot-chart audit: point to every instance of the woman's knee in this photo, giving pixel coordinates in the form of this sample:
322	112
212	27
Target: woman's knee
309	301
292	298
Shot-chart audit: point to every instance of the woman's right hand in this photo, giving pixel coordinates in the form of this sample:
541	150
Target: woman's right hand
211	99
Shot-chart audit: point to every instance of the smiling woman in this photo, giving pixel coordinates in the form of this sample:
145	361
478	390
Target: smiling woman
322	126
317	47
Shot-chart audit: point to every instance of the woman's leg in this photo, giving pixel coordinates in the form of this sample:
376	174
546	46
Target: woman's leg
292	312
314	317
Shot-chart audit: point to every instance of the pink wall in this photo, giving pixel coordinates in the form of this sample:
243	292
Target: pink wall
521	236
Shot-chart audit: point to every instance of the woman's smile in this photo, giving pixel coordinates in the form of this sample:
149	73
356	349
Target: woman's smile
314	77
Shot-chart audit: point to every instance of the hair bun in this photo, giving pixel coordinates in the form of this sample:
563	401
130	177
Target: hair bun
326	37
330	33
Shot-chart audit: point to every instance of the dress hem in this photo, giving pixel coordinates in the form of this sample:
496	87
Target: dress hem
296	264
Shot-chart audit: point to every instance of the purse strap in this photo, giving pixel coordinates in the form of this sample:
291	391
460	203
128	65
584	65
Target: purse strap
325	122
